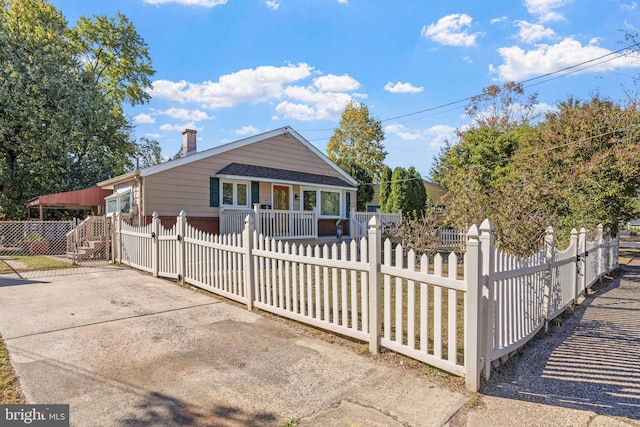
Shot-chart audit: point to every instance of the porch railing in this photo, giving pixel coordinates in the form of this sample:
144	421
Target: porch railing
360	221
272	223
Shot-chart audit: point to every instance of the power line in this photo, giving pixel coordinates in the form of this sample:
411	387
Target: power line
572	69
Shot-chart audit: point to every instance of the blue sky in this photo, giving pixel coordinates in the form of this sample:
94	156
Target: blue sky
235	68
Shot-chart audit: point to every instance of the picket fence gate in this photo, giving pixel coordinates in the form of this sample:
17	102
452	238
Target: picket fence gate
459	313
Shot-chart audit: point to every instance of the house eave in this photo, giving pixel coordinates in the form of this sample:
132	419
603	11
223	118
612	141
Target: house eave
283	181
110	183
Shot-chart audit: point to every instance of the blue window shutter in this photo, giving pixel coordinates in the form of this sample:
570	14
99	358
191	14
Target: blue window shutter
214	192
255	192
348	203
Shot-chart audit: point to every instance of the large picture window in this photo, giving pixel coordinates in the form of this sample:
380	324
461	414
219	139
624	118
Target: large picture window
235	194
329	203
327	200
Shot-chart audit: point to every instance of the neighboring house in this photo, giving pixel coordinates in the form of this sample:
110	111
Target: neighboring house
275	171
434	195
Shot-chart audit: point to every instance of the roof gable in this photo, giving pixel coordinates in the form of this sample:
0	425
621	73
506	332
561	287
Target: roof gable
244	142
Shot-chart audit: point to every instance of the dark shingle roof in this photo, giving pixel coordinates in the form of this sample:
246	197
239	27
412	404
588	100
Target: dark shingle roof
239	169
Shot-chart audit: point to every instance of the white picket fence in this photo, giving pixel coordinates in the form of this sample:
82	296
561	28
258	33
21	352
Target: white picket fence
430	310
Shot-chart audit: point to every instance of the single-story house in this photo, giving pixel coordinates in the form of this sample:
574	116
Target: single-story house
434	195
277	174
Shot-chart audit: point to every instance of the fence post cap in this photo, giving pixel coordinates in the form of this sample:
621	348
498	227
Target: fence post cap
182	213
248	219
574	232
583	230
550	230
374	222
486	225
473	232
154	215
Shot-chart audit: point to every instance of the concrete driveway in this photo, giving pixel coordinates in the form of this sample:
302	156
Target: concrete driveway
126	349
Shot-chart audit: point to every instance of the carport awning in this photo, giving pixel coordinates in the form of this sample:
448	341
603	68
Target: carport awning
87	198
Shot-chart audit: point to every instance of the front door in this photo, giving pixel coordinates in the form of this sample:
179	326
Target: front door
281	203
280	197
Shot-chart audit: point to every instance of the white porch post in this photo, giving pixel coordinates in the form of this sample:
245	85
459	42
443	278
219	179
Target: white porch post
257	221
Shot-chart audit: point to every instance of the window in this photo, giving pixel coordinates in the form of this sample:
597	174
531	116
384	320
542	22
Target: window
308	200
121	201
235	194
330	202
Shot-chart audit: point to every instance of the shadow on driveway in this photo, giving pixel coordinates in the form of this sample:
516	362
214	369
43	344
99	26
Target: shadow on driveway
589	360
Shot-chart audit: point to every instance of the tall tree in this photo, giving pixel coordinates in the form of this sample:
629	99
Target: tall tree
365	190
359	137
399	195
112	51
417	200
385	187
148	152
502	107
60	129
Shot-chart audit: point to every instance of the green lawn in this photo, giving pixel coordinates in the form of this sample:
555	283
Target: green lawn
32	262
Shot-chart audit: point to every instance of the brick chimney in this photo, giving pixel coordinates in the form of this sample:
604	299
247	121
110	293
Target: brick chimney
188	141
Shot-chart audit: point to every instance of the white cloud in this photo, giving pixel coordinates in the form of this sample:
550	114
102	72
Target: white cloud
451	30
272	4
545	10
324	97
296	111
168	90
201	3
498	20
248	85
399	87
144	119
531	33
519	64
187	115
343	1
467	59
333	83
629	7
435	136
247	130
153	135
179	128
439	134
325	105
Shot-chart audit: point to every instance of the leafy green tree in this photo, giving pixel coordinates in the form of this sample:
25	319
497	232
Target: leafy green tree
417	198
399	195
148	152
502	107
365	190
60	129
359	137
385	187
116	56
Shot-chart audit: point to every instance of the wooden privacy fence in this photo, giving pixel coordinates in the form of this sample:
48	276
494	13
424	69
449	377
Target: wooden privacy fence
458	313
